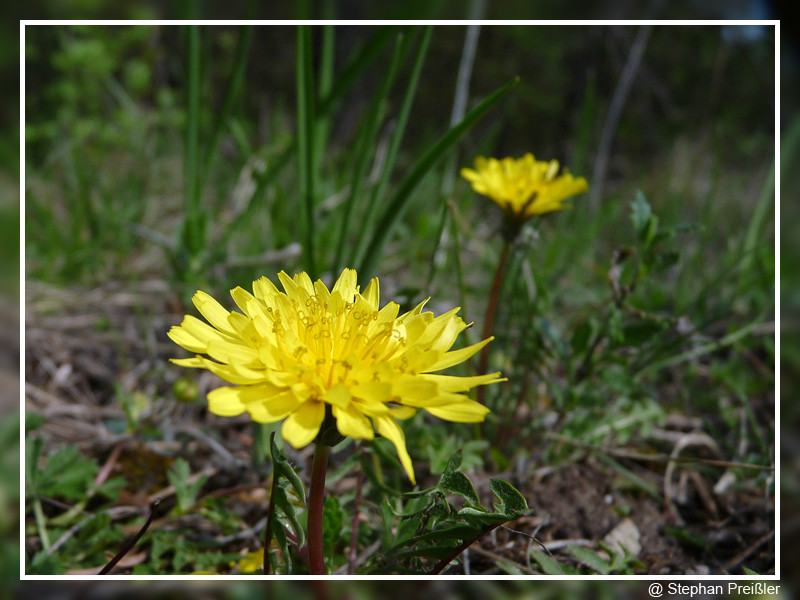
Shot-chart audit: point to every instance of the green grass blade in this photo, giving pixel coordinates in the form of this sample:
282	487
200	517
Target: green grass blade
372	124
365	56
231	91
323	90
398	202
192	239
394	144
756	228
305	140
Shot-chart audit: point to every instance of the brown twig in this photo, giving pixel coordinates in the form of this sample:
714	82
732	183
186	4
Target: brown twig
656	458
316	503
132	542
739	558
491	311
108	466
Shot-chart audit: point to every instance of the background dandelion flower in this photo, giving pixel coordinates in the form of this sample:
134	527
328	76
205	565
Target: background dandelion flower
296	354
524	187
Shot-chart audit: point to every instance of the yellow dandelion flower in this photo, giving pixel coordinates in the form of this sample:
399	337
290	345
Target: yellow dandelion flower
524	187
298	354
250	562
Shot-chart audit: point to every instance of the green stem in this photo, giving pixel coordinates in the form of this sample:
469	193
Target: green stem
316	501
270	513
305	139
41	523
193	233
491	311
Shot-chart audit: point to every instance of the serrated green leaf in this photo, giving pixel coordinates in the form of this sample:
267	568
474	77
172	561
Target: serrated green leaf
405	531
441	511
421	493
454	532
33	421
332	521
512	503
45	564
457	483
432	552
454	463
417	508
179	473
480	518
650	232
590	559
284	469
665	260
33	452
67	474
280	536
112	487
282	503
547	563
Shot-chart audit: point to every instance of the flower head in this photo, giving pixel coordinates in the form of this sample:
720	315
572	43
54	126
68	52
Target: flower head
524	187
297	353
250	562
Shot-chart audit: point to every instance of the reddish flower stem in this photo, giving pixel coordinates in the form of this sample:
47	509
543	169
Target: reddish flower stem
491	310
316	501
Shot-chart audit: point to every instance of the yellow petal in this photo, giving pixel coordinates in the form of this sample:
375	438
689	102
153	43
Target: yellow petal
202	331
186	340
338	395
403	412
372	408
266	403
466	411
212	311
372	293
415	311
231	352
389	429
352	423
346	284
446	337
412	389
275	408
450	383
455	357
239	375
225	402
243	299
302	426
264	289
304	281
296	292
372	391
322	292
196	362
